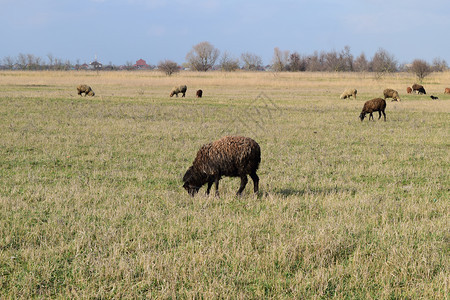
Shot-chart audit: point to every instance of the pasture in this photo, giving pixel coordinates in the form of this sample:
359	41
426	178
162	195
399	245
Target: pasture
92	204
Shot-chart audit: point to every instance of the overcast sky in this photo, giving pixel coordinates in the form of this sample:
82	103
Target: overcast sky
121	31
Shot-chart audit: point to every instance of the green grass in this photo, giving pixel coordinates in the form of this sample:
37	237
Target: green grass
91	203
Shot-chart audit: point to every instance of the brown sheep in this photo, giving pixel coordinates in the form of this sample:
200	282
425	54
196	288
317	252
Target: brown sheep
199	93
180	89
390	93
83	88
371	106
348	93
408	90
233	156
447	91
417	88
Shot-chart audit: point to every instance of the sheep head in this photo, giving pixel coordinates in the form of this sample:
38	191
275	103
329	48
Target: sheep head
191	182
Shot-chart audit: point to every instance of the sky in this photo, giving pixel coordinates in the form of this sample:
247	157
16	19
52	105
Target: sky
121	31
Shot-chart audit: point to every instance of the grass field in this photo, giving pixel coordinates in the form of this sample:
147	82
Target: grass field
92	204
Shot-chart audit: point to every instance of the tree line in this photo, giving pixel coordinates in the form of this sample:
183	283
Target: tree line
204	56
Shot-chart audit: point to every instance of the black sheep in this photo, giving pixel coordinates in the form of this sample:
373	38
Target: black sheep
418	88
199	93
371	106
233	156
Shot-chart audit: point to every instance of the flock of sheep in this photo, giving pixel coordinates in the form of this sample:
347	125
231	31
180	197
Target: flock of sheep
87	91
379	104
237	156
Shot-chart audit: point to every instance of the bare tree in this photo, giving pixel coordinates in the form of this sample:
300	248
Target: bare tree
315	62
439	65
51	60
251	61
383	63
227	63
346	59
168	67
59	64
296	63
33	62
361	64
421	68
9	62
202	57
279	60
128	65
332	62
22	60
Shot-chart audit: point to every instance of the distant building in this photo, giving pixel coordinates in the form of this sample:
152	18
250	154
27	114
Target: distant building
96	65
141	64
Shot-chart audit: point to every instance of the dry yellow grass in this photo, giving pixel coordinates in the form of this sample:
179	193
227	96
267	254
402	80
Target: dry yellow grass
91	203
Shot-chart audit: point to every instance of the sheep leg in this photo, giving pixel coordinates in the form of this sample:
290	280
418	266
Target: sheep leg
255	179
384	114
184	94
370	116
216	182
209	187
379	114
244	181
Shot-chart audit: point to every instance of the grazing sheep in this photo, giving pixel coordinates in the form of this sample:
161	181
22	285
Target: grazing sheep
83	88
447	91
408	90
233	156
180	89
390	93
433	97
199	93
417	88
349	92
371	106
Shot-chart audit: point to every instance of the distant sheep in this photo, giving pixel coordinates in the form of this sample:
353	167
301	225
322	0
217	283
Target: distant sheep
371	106
433	97
447	91
83	88
233	156
349	92
180	89
199	93
408	90
390	93
417	88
